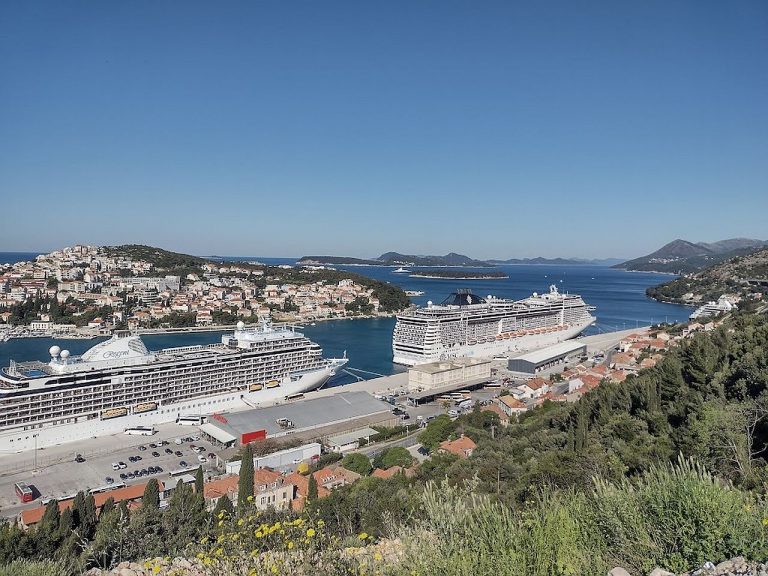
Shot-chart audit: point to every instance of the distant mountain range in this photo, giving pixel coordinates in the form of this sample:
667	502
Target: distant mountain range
397	259
684	257
559	261
451	259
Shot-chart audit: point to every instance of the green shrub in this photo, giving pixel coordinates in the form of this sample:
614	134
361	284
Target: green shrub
36	568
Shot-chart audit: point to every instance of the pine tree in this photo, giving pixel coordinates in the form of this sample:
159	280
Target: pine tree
245	483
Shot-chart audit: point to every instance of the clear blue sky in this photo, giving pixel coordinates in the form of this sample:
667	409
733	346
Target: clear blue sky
495	129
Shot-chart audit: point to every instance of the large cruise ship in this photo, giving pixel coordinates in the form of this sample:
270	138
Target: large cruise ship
467	325
119	384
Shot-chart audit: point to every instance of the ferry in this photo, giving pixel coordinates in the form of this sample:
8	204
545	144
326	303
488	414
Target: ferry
467	325
119	384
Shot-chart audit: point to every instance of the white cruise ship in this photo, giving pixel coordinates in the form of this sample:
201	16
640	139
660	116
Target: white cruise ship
722	306
467	325
119	384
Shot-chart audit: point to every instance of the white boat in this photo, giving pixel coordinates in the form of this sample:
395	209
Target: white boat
401	271
467	325
113	385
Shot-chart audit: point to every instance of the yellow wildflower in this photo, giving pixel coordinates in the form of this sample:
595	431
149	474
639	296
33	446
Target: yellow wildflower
320	523
765	521
363	536
310	532
273	569
156	569
290	545
250	498
377	557
221	522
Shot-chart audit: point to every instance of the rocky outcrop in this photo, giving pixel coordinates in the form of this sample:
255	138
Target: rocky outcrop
735	567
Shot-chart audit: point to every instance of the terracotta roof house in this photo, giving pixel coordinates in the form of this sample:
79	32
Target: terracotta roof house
461	447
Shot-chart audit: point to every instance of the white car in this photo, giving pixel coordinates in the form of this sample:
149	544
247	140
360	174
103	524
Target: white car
202	459
115	466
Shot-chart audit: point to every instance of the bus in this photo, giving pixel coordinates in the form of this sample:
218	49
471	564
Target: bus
24	492
140	431
189	420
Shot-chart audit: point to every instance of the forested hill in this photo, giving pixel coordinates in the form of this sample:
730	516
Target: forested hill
684	257
162	260
736	275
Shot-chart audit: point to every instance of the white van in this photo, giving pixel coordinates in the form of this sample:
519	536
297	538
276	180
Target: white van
453	413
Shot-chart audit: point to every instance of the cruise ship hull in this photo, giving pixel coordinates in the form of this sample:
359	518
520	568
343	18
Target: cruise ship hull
494	347
14	441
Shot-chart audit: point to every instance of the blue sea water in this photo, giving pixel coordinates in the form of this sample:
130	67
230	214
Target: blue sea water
619	298
13	257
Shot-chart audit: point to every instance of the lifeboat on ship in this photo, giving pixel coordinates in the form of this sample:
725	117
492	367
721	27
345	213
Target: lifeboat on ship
273	384
499	337
145	407
114	413
255	387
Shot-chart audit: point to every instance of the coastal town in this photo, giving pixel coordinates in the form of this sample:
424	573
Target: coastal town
85	290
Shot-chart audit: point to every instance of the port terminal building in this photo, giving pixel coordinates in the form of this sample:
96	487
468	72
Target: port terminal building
530	364
305	418
427	382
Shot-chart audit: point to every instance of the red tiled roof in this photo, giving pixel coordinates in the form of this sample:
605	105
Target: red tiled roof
134	492
462	447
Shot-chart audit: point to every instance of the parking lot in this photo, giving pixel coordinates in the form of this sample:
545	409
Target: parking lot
59	474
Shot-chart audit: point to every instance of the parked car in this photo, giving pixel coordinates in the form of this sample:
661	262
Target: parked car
123	476
109	480
423	450
115	466
122	465
211	455
131	475
183	464
156	454
153	445
178	453
142	448
178	441
202	459
453	413
168	451
79	459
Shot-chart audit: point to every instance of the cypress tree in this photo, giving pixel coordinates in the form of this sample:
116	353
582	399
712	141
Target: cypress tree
108	506
66	522
52	516
312	488
245	483
88	521
199	480
78	510
151	497
223	505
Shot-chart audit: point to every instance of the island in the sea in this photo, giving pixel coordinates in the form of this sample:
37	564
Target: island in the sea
458	275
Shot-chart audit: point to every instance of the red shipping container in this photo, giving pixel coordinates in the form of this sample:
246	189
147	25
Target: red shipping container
251	436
